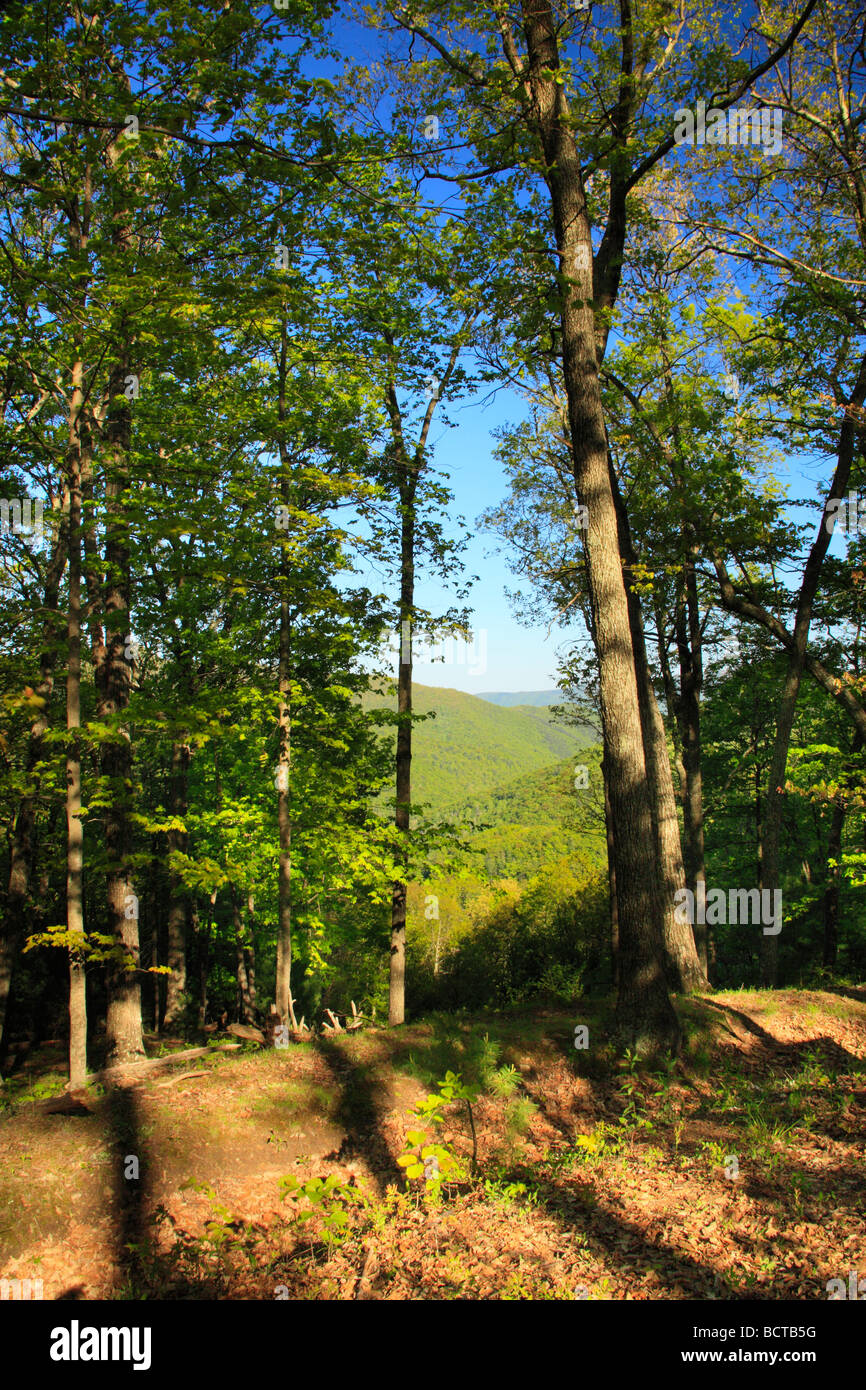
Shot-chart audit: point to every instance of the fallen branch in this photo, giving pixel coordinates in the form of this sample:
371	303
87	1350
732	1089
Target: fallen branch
184	1076
147	1063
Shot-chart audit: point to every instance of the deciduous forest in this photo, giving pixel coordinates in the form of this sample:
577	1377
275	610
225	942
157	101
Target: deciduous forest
321	981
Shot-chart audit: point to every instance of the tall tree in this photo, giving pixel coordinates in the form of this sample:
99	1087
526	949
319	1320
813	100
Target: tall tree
621	141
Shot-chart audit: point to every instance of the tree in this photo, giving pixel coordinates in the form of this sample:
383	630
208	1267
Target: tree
625	144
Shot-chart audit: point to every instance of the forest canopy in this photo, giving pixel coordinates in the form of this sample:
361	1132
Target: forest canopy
256	259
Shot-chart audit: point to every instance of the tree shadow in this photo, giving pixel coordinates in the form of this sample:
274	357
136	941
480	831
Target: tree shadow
359	1113
848	992
794	1175
131	1183
832	1052
608	1236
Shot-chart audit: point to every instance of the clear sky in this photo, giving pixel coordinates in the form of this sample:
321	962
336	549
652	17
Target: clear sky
504	655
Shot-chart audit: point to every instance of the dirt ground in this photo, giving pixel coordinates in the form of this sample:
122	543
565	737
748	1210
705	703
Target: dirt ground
740	1172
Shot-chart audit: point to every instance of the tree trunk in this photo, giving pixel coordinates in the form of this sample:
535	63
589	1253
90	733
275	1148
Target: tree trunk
246	986
283	1001
178	903
684	705
689	644
684	972
250	968
611	877
646	1019
397	978
250	957
408	473
113	672
834	873
78	443
113	679
437	943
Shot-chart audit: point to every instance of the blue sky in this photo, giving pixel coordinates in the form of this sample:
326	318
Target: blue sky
504	655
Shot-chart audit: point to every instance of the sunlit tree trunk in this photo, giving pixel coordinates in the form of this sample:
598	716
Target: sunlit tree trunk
685	975
397	978
611	877
78	443
645	1016
113	681
283	1000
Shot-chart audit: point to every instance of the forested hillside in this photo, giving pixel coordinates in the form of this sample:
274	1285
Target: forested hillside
463	747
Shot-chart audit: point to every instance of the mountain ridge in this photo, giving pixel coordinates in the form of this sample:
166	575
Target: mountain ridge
509	698
473	747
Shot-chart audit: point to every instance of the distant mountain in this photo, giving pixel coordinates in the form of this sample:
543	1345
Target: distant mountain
535	820
472	747
525	697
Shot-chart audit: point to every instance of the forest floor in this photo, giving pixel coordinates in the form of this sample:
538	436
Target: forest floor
738	1172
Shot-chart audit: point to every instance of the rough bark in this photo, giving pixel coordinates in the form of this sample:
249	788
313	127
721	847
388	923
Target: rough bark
684	972
113	681
403	757
683	705
244	960
645	1016
283	999
78	444
611	877
250	957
